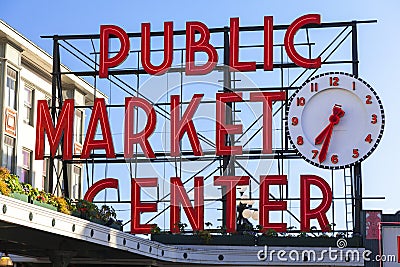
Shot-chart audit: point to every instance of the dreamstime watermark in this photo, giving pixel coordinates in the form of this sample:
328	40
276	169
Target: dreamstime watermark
338	253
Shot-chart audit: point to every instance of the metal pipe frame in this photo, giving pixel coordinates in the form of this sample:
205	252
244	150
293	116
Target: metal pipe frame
227	163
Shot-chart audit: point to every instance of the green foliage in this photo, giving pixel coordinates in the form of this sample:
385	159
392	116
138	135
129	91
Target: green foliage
52	200
155	229
181	226
87	210
271	232
13	184
33	193
205	235
248	227
302	234
259	227
107	214
9	183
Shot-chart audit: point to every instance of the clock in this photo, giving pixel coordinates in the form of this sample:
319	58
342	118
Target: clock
335	120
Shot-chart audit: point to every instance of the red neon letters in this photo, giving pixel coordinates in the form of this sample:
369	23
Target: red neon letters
99	115
64	126
195	214
138	207
319	212
266	205
202	45
168	49
234	50
268	43
267	99
140	138
185	124
179	126
105	61
100	185
222	129
229	183
63	129
180	197
289	42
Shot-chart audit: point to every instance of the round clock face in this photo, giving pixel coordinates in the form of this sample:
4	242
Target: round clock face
335	120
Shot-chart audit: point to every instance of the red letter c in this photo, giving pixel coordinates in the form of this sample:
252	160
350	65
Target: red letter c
289	41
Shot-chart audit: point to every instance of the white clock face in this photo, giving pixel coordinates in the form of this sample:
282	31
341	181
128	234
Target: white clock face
335	120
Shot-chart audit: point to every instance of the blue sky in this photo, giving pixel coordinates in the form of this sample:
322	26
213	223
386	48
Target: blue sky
378	48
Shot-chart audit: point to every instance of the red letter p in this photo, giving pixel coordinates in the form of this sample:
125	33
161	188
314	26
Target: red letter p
105	61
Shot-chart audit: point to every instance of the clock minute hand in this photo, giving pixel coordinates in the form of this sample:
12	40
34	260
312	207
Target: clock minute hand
326	133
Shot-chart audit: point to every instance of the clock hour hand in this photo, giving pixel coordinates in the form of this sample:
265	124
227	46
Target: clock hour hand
326	133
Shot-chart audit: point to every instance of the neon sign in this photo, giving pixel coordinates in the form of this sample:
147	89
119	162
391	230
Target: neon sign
181	123
202	45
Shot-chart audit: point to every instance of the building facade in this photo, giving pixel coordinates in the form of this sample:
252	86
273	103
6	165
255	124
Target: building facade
25	78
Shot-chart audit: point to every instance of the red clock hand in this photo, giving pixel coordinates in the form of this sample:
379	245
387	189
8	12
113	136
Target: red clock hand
325	145
326	133
320	138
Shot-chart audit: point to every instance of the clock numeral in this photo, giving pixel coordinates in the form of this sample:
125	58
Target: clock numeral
295	121
374	119
334	81
354	86
301	101
335	159
300	140
315	153
368	99
314	87
368	139
356	154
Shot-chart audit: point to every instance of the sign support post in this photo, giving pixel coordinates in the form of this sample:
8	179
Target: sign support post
357	167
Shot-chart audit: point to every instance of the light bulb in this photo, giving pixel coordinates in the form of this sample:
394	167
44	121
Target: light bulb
247	213
255	216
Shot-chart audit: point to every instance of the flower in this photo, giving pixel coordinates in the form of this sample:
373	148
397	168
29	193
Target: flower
4	188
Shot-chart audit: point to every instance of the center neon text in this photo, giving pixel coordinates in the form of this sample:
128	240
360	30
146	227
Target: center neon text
195	213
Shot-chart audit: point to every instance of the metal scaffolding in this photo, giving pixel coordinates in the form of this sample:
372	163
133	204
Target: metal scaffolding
290	77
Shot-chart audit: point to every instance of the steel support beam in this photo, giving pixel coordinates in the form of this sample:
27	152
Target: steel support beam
357	178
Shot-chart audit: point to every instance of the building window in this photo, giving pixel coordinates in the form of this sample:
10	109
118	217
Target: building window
28	104
45	175
26	169
8	153
76	182
11	88
78	126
